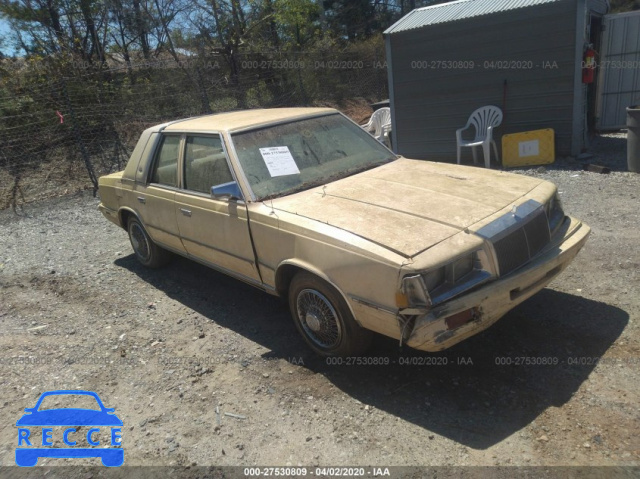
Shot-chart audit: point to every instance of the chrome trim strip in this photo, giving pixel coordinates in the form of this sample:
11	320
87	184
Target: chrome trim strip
175	189
195	193
506	223
195	132
373	305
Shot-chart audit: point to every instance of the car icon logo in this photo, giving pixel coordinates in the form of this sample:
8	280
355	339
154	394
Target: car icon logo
98	420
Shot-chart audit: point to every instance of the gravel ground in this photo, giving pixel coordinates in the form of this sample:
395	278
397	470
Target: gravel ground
204	370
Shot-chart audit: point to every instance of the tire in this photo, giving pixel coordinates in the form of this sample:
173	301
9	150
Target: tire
147	252
323	318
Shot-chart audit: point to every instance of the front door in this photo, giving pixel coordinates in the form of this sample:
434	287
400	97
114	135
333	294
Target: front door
213	231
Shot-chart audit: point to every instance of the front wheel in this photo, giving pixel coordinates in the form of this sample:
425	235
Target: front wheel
324	319
147	252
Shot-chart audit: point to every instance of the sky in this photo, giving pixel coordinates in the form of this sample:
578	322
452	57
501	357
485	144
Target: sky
4	30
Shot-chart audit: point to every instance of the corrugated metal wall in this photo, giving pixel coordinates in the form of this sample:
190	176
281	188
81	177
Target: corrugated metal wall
431	103
598	6
620	72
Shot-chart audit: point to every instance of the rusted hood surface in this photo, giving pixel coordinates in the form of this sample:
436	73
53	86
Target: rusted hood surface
409	205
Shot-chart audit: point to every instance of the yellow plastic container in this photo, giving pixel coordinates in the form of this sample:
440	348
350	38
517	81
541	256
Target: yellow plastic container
528	148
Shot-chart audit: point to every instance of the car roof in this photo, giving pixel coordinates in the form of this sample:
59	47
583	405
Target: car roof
238	120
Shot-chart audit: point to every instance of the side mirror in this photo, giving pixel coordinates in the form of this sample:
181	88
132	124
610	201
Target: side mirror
226	191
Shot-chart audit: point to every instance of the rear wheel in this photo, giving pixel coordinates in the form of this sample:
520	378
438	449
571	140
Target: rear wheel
147	252
324	319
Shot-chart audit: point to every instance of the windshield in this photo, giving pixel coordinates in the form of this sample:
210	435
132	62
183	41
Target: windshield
290	157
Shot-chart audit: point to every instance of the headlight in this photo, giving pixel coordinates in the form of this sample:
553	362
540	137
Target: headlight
443	283
413	294
459	268
434	279
555	213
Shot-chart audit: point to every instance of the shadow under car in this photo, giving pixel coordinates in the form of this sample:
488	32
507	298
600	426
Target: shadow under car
476	393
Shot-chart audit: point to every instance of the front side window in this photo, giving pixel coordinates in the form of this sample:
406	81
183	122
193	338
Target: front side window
205	164
165	170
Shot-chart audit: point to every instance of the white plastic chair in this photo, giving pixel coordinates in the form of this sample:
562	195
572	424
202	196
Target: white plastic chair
484	119
380	124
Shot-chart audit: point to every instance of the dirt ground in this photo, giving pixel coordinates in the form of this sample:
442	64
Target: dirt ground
204	370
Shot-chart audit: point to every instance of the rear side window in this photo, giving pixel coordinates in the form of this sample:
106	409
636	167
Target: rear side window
165	171
205	164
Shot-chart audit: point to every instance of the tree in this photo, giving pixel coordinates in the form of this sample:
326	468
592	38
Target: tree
298	22
49	27
353	19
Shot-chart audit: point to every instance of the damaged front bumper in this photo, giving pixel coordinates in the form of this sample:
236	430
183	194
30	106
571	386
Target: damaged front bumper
447	324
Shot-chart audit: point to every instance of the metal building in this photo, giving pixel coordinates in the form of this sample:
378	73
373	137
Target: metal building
525	56
619	77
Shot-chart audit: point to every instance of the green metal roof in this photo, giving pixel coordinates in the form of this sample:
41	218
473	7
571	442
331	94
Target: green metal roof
458	10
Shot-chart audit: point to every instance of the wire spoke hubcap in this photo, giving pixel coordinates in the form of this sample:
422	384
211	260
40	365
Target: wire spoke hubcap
139	242
318	318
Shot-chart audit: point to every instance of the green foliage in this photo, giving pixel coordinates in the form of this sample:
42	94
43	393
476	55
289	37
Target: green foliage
618	6
298	21
90	75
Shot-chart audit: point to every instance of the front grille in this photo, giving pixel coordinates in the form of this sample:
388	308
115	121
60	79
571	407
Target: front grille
512	251
537	231
522	244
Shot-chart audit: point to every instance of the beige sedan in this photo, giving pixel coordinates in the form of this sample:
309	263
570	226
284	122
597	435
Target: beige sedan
304	204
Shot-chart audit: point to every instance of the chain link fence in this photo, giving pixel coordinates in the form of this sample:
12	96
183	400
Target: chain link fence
65	123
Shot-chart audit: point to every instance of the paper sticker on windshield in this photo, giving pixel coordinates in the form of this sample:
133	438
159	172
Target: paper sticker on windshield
279	161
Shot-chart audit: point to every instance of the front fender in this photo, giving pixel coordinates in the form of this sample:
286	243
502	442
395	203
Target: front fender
283	277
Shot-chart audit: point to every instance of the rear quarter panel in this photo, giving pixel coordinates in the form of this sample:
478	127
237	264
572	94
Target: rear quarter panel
108	187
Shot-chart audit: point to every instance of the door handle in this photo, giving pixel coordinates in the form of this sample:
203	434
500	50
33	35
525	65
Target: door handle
142	199
185	212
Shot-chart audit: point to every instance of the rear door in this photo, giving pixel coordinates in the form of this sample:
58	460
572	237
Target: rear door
156	199
213	231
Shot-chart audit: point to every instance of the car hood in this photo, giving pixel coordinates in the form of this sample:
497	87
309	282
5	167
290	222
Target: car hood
69	417
407	205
